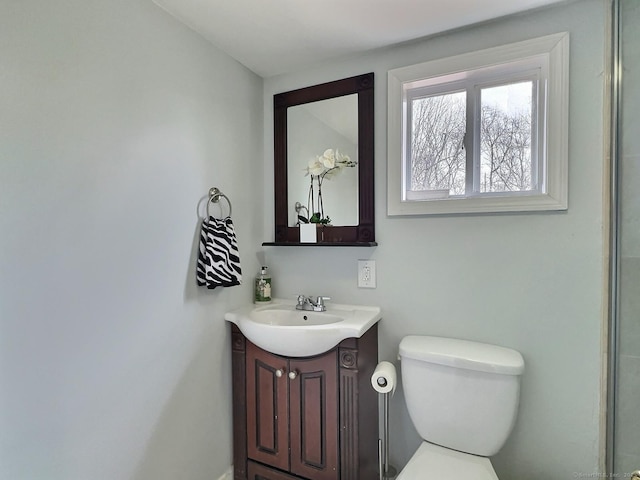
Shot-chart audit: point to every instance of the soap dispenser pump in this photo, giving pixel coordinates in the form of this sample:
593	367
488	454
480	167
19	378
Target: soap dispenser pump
262	291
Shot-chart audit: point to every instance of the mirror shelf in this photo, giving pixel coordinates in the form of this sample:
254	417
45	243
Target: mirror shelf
320	244
362	233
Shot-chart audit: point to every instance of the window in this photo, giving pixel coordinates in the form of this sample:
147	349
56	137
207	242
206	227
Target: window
481	132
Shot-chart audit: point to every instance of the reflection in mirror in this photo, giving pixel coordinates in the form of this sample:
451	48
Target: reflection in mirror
312	129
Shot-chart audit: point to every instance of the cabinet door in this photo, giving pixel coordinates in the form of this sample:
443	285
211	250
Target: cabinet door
313	412
267	408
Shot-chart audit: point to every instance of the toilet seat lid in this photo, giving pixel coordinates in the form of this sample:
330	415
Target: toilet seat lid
434	462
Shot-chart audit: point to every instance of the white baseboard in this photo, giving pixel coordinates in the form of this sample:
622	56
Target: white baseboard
228	475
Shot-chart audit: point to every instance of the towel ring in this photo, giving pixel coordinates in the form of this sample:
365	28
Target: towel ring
214	197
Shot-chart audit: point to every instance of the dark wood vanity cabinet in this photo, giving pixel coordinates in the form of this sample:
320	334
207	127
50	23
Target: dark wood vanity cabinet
292	412
313	418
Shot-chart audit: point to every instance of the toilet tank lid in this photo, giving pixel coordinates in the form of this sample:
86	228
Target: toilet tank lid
462	354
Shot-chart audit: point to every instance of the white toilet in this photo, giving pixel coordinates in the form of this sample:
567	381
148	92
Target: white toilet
463	399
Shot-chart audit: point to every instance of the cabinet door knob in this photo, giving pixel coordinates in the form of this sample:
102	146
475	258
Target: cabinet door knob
279	372
293	374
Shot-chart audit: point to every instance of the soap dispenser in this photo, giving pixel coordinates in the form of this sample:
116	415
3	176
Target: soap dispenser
262	291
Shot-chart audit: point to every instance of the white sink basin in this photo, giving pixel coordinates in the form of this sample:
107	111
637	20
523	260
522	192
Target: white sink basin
281	329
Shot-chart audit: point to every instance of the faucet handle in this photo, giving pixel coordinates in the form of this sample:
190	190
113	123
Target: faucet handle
301	299
320	301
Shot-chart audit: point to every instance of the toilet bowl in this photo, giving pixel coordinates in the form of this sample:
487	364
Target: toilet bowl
438	463
462	398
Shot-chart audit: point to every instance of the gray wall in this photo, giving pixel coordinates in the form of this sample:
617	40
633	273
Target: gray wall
114	122
531	282
627	446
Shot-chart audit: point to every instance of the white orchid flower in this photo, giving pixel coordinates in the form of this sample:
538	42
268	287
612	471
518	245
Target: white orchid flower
328	158
344	159
329	164
316	166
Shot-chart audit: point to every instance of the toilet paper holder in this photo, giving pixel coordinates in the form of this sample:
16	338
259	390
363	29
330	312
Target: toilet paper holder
383	381
387	472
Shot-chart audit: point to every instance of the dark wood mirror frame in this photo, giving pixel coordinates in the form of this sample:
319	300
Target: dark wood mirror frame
362	234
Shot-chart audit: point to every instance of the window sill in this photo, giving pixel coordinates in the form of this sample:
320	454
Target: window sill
470	205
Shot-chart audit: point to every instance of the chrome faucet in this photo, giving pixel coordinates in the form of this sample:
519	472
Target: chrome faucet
305	303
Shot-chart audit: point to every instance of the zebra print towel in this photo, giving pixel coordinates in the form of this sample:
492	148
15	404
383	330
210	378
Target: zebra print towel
218	260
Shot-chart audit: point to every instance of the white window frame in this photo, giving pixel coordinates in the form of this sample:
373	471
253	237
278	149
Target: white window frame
552	108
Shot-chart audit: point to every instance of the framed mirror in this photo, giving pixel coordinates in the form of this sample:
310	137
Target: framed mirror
324	161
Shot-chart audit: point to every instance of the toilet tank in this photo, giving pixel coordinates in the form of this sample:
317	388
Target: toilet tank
461	395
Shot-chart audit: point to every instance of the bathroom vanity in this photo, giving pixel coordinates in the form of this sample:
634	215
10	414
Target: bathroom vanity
313	418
